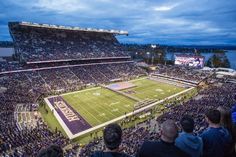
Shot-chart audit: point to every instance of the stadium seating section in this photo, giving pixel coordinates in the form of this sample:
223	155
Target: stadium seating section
40	44
20	90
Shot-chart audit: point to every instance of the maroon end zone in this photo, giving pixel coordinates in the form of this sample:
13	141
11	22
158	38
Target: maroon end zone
72	119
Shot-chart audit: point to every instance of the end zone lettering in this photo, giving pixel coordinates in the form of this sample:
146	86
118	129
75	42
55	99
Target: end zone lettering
67	112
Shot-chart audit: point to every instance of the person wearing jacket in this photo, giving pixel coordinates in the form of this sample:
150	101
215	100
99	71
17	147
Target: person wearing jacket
112	136
187	141
216	139
233	114
165	147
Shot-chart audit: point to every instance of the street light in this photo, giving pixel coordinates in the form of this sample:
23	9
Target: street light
148	53
153	46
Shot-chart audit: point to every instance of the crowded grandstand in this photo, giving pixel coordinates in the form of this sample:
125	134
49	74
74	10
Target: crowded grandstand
53	61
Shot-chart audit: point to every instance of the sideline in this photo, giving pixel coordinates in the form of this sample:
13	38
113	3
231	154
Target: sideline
80	91
72	136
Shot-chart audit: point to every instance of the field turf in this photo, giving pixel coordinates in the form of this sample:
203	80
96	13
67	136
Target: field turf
99	105
150	89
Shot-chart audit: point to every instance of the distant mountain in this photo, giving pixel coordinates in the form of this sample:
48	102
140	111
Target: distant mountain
209	47
224	47
6	44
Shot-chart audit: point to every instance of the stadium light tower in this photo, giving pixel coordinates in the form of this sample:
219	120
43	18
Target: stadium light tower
153	46
148	54
136	54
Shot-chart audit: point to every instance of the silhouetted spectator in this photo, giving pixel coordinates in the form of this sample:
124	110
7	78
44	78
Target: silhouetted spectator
233	113
112	136
51	151
216	139
187	141
166	146
226	122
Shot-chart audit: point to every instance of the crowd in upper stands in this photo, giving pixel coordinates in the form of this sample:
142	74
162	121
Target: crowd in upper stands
40	44
181	73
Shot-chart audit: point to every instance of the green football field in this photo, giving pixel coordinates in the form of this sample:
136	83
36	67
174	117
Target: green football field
99	105
150	89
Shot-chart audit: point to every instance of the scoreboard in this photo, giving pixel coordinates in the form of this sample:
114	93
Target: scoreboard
190	60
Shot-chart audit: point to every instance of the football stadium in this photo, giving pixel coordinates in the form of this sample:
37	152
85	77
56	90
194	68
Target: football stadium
105	104
73	91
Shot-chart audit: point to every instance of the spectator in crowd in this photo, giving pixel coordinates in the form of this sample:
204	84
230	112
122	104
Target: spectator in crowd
233	113
225	117
112	136
216	139
226	122
187	141
51	151
166	146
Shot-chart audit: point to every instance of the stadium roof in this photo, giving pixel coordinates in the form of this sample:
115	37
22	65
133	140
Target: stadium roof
30	24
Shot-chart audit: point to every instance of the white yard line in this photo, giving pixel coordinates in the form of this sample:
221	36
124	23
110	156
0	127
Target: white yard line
88	108
93	88
138	79
84	109
131	113
71	136
80	91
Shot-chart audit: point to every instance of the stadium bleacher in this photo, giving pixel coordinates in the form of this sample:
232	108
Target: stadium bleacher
58	47
41	44
27	85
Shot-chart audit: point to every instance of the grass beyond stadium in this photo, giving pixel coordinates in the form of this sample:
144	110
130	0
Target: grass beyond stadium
99	105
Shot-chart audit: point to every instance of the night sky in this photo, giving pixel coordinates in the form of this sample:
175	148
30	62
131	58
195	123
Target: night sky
185	22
